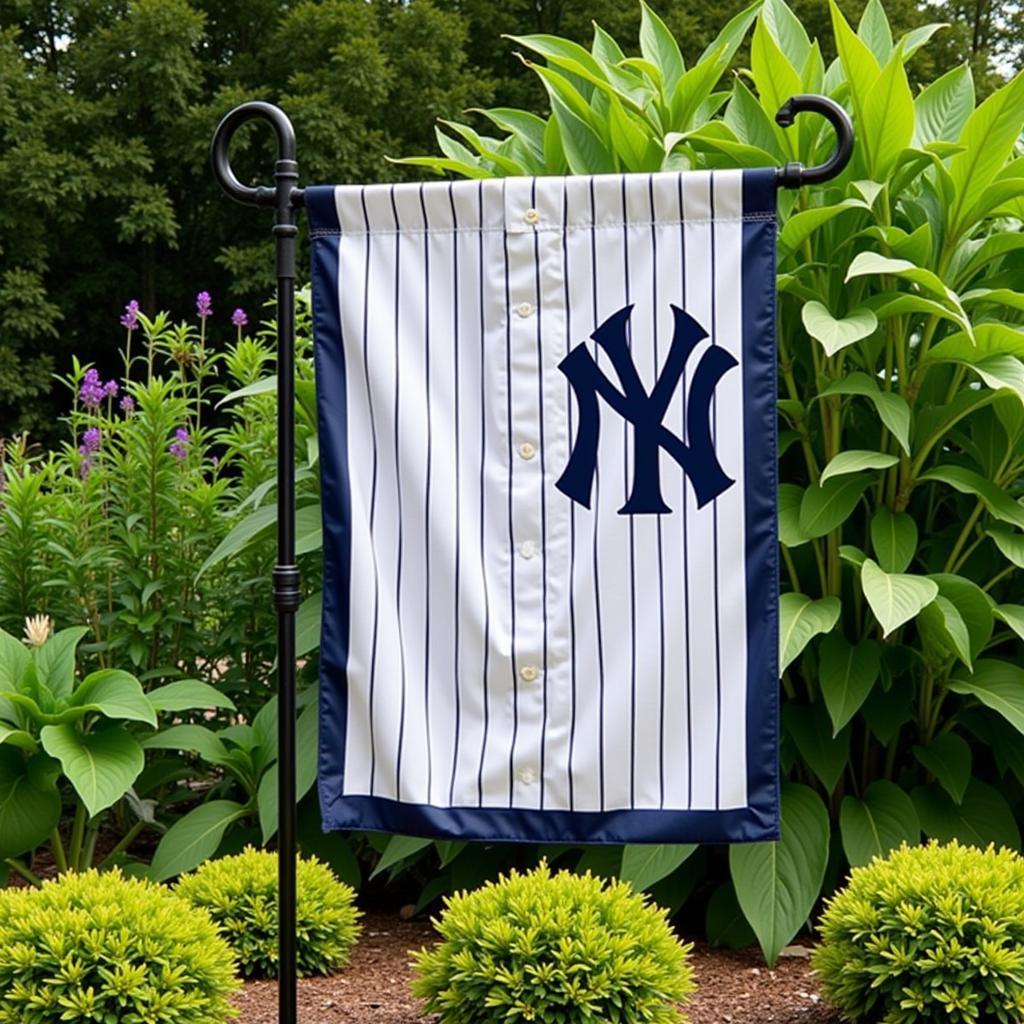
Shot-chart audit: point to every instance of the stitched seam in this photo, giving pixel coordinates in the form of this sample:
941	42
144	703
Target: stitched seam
752	218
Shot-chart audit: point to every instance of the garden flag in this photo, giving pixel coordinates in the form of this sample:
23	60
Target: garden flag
547	447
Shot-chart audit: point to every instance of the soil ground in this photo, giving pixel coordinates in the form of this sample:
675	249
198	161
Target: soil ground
732	987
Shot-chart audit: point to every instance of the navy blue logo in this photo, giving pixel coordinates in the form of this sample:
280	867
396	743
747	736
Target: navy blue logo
696	455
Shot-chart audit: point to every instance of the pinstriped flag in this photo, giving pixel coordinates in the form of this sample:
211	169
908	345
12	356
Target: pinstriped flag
548	458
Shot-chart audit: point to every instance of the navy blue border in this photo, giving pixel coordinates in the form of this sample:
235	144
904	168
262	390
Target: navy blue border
757	822
761	488
332	417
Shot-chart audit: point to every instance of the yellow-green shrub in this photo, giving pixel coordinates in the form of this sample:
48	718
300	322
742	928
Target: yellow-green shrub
928	933
240	894
554	949
101	947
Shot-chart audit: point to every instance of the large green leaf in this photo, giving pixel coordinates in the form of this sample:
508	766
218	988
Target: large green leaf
948	758
990	339
307	624
988	139
800	620
724	923
973	604
859	63
188	695
194	838
944	631
1010	543
194	739
836	334
778	883
775	77
305	771
242	534
982	817
14	659
826	755
659	46
998	685
801	225
397	849
881	821
888	124
847	673
116	694
895	598
894	539
854	461
645	864
29	804
827	506
875	31
991	495
55	661
790	499
16	737
101	765
874	264
1012	615
893	410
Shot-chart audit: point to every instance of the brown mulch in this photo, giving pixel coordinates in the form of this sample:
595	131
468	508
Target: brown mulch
732	987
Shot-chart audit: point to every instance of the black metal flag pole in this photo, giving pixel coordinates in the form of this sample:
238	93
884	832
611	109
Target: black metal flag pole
285	198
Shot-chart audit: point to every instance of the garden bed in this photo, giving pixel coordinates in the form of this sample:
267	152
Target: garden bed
733	987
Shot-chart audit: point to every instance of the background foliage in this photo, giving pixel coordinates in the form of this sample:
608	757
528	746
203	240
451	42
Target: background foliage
107	107
901	440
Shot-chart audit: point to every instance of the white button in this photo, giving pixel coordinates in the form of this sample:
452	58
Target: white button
524	309
531	216
529	673
527	776
528	549
526	450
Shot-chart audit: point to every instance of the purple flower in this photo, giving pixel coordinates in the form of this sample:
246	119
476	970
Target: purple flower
127	403
110	389
130	318
90	442
92	391
85	468
238	318
204	305
179	446
214	462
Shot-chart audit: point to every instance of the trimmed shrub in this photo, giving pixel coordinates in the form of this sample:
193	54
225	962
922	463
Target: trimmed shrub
928	933
554	948
240	894
102	947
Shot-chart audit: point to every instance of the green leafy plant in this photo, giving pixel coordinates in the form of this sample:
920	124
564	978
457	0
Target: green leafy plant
101	947
243	756
561	948
901	369
56	725
935	932
240	894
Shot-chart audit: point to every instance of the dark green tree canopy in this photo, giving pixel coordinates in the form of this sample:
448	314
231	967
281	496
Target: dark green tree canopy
107	108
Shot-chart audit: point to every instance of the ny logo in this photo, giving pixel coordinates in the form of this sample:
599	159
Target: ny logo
645	412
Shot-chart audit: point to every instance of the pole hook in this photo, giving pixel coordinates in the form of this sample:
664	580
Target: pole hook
258	195
794	175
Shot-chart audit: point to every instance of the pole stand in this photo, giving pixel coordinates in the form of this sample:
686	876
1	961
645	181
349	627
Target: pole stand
284	198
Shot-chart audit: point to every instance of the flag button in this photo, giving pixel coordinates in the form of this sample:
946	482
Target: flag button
531	216
527	776
529	673
527	450
528	549
524	309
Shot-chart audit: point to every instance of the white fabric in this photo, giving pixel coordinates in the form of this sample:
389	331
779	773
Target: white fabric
603	655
